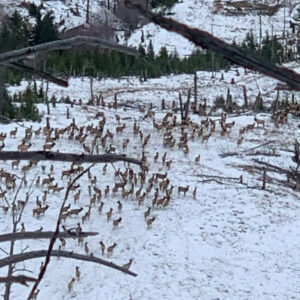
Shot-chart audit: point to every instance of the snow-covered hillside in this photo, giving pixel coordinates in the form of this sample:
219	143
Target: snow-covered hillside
232	240
227	20
65	12
204	15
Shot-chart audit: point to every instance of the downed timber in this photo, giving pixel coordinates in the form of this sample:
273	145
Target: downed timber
69	157
14	55
42	235
13	259
22	279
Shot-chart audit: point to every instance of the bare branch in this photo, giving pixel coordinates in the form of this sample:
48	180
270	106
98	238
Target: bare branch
208	41
42	235
64	44
59	253
56	233
56	156
44	75
22	279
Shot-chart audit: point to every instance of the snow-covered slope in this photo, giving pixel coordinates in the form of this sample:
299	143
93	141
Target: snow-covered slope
233	241
201	14
63	11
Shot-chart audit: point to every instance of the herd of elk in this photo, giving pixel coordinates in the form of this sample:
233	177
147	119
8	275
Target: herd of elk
143	186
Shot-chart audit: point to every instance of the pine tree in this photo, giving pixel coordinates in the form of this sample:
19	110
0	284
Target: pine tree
150	51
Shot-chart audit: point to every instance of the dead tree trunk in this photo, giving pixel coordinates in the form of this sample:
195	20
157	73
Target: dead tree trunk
195	92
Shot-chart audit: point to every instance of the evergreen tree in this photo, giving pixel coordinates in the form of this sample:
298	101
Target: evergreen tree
150	51
44	30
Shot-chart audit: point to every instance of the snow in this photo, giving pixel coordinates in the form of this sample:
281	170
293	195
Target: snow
199	14
62	10
231	242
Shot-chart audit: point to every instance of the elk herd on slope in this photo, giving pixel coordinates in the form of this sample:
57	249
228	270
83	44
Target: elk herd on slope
152	190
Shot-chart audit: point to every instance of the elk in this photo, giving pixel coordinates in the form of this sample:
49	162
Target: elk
250	126
39	211
183	189
2	137
149	222
25	169
206	137
48	146
47	180
125	144
116	222
38	131
147	212
156	157
258	121
5	209
77	196
160	176
21	204
242	130
104	169
239	141
102	247
77	273
13	132
2	195
141	199
229	125
86	248
195	193
70	284
120	206
119	129
128	265
110	249
64	216
106	191
57	189
100	207
23	147
15	163
75	211
109	214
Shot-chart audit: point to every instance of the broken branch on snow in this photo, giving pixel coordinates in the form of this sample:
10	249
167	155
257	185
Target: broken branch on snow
22	279
59	253
64	44
42	235
70	157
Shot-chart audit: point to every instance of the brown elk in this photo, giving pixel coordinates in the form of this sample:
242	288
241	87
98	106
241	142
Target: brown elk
119	129
110	249
24	147
109	214
183	189
13	132
147	212
128	265
149	222
75	211
70	284
15	163
258	121
39	211
116	222
102	247
48	146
